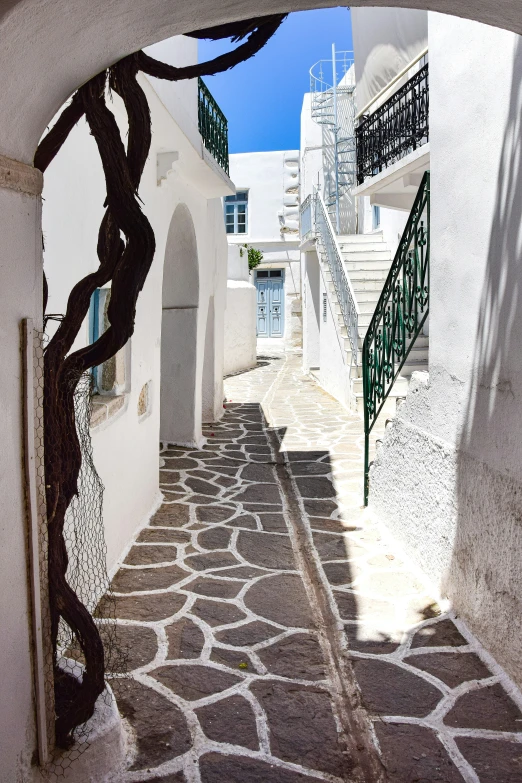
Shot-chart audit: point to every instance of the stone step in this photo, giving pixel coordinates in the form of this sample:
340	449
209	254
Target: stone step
361	247
357	238
370	258
368	264
417	358
399	389
367	295
410	368
364	285
367	275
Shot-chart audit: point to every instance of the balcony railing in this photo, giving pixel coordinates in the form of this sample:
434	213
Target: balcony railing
213	126
395	129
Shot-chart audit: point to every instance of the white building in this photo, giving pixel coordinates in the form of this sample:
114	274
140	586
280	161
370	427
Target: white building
168	378
349	236
264	214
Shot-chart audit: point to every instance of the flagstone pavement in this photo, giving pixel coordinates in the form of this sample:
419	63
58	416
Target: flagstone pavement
276	634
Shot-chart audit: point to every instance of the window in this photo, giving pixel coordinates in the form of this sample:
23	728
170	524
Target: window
271	273
110	377
376	217
236	213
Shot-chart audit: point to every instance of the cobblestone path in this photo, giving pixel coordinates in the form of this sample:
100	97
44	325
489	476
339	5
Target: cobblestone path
259	587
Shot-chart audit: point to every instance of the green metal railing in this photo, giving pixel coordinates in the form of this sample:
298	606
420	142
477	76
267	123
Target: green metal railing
213	126
399	316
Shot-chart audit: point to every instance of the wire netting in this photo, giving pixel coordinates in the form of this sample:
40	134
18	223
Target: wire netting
87	575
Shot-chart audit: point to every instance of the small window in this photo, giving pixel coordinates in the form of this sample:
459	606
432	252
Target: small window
262	274
376	217
236	213
275	273
325	306
109	377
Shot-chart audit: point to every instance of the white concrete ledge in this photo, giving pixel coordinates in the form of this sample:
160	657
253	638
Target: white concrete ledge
418	159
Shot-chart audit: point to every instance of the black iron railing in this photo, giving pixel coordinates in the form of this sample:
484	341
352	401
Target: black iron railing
213	126
399	316
396	128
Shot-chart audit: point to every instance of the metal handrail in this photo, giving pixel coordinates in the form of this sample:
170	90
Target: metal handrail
397	127
322	228
213	126
399	316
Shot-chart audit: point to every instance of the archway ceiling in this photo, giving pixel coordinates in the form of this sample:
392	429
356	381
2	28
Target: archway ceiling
50	47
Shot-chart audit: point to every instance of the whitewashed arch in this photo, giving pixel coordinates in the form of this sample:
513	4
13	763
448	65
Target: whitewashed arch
50	48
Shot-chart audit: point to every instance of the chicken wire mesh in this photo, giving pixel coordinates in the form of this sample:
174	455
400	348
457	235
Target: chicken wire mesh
86	574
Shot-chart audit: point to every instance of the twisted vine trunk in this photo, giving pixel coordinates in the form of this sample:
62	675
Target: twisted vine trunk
126	262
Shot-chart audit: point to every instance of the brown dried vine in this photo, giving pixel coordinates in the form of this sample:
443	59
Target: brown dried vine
126	262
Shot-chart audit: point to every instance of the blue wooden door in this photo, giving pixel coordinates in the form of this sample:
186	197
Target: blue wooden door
270	303
276	308
263	304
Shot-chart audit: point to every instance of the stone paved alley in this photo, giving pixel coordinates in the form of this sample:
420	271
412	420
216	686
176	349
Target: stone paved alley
256	589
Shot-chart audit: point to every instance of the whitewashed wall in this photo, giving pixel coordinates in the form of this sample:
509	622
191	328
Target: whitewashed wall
240	315
448	478
385	40
126	445
269	177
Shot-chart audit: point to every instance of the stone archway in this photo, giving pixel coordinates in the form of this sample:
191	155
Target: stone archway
179	331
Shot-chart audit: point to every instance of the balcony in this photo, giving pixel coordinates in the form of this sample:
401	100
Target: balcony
213	126
394	130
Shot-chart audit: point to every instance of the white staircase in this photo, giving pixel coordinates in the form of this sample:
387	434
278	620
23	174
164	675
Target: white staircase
367	261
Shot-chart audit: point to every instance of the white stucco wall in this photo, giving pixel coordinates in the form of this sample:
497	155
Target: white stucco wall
385	40
126	446
272	180
311	277
448	478
240	315
334	368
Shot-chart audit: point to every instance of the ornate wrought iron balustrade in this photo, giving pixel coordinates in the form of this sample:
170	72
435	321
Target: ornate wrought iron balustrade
213	126
396	128
400	314
315	219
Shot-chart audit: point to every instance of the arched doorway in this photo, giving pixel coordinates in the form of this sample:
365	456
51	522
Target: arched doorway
179	331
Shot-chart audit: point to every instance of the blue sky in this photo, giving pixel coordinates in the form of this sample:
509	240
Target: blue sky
262	97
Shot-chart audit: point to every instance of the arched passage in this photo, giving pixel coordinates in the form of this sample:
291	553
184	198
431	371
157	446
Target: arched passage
71	40
179	330
50	49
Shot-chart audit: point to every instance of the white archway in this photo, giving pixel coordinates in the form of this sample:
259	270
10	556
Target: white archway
49	49
179	331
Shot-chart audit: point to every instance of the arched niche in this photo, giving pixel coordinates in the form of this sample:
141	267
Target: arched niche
179	331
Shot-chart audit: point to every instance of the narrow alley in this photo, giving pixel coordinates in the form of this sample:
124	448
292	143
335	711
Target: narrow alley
257	588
